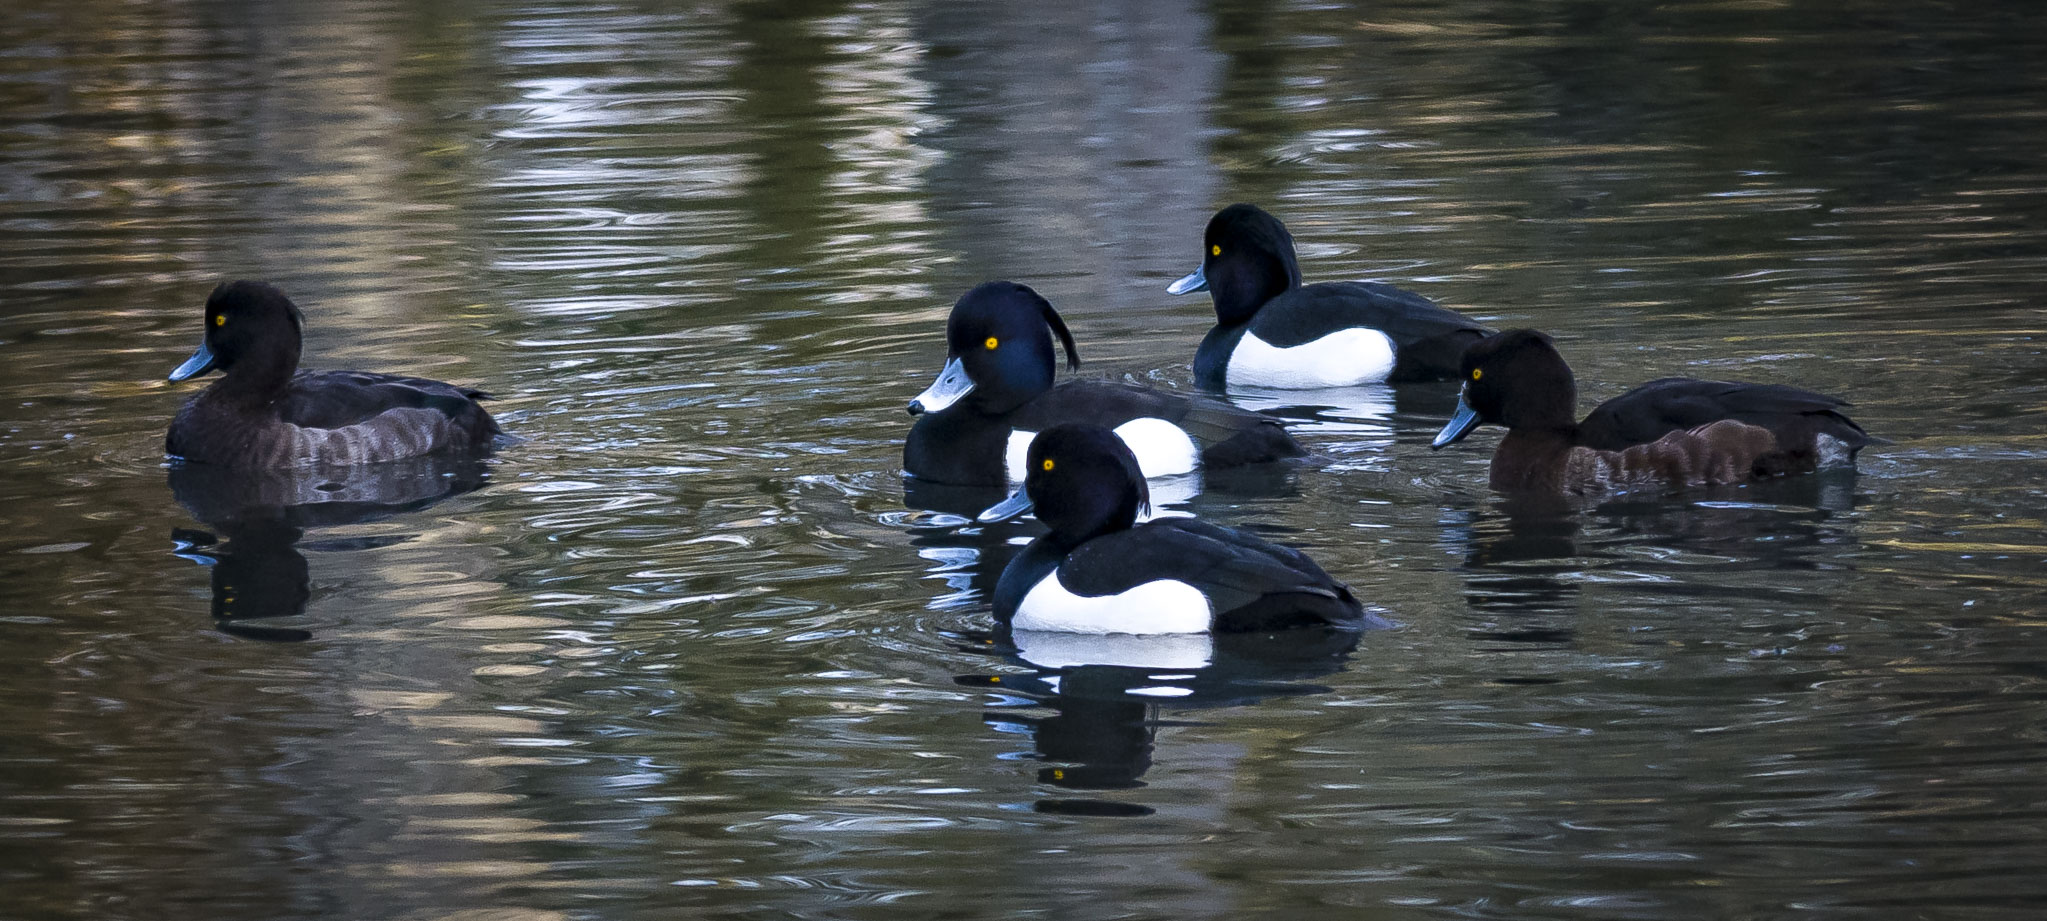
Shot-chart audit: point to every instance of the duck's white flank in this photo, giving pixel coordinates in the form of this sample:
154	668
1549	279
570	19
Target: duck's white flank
1162	448
1158	606
1344	358
1833	452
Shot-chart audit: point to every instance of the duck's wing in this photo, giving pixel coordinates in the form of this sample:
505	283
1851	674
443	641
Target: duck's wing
339	399
1304	313
1252	584
1673	404
1105	403
1429	340
1231	435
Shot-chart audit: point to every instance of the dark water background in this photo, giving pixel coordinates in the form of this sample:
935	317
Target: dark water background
685	653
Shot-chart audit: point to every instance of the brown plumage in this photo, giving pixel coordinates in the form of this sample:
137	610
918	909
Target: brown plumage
1716	453
264	412
1671	433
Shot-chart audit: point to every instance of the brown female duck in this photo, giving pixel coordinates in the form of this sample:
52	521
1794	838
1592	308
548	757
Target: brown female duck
1668	433
265	412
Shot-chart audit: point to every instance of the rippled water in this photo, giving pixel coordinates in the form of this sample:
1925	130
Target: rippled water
686	651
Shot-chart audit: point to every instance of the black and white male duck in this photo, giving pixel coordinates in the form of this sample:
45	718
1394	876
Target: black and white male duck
264	412
1097	571
1668	433
1273	331
996	392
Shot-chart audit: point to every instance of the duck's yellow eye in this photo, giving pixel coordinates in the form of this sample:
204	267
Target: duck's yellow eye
991	343
220	319
1047	464
1477	373
1215	250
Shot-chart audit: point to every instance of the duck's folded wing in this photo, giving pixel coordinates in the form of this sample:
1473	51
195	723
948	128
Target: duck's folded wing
338	399
1235	570
1670	404
1214	421
1106	403
1404	316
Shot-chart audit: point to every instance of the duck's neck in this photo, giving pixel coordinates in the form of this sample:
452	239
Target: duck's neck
1241	290
1533	458
257	380
1000	398
1070	529
1070	537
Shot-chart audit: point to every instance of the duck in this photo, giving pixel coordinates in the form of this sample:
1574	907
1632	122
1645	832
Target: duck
996	392
1669	433
1273	331
264	412
1097	571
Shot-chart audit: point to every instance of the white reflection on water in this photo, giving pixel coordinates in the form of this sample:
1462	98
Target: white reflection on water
882	110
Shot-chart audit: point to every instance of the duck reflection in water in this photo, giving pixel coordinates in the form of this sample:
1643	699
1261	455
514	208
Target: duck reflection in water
1768	524
1526	555
1108	695
1519	554
969	561
259	519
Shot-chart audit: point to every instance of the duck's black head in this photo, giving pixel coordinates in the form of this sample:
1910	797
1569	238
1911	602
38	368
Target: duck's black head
1515	379
252	336
998	354
1247	258
1082	480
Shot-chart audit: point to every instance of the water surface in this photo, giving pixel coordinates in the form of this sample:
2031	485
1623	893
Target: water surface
685	649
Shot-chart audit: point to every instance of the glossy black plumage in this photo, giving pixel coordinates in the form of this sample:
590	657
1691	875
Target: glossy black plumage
264	412
1671	432
965	442
1252	275
1089	499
